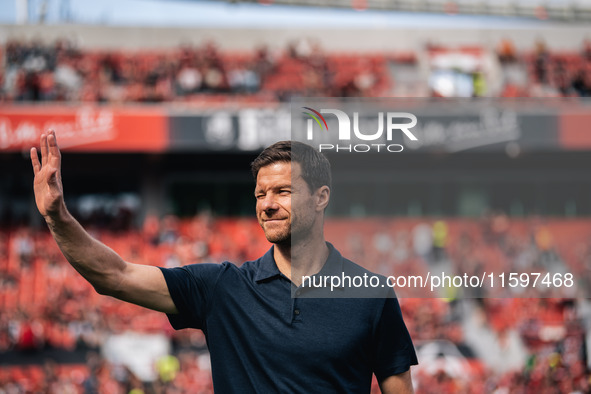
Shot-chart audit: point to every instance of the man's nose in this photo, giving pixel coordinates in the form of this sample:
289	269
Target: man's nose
269	202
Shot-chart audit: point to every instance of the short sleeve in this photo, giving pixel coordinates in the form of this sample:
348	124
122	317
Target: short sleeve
191	289
394	352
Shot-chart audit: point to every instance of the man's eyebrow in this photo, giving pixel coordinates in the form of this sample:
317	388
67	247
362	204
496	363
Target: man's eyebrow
276	187
284	186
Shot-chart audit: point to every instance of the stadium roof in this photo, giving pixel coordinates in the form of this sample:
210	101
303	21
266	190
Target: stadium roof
251	14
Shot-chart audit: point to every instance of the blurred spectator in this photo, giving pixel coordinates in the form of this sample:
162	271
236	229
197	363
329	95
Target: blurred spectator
264	64
365	80
586	53
68	81
24	247
506	51
581	84
188	79
243	79
213	79
168	368
541	62
422	239
439	240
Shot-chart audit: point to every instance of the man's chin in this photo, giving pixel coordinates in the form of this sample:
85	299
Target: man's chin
279	239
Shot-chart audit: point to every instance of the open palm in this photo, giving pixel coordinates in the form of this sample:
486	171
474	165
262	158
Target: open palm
48	181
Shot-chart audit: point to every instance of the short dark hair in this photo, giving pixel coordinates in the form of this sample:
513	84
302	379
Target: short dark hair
315	166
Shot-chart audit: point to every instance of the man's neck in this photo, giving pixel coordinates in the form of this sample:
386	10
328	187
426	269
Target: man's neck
305	257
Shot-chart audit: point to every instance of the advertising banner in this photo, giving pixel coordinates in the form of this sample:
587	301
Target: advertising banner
85	128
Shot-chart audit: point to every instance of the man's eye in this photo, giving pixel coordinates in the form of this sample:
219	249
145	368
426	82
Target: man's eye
285	192
259	196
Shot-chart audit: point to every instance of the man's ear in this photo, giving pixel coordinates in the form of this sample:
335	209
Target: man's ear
322	198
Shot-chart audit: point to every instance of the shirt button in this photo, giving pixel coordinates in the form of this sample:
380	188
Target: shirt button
298	292
297	311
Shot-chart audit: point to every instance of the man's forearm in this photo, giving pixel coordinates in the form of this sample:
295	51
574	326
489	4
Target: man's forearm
96	262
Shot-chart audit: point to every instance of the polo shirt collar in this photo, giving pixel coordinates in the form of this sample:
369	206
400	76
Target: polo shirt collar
334	263
267	268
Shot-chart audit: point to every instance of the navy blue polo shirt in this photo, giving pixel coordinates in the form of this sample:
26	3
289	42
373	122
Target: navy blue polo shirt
261	339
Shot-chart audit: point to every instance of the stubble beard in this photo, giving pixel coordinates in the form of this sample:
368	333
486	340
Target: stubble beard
282	237
301	228
298	230
278	236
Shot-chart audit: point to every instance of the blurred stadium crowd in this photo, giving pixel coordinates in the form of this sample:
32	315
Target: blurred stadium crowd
530	345
37	71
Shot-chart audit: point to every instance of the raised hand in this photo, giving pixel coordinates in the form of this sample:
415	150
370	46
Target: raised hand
48	180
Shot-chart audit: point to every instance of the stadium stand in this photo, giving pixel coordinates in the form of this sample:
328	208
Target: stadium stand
34	71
